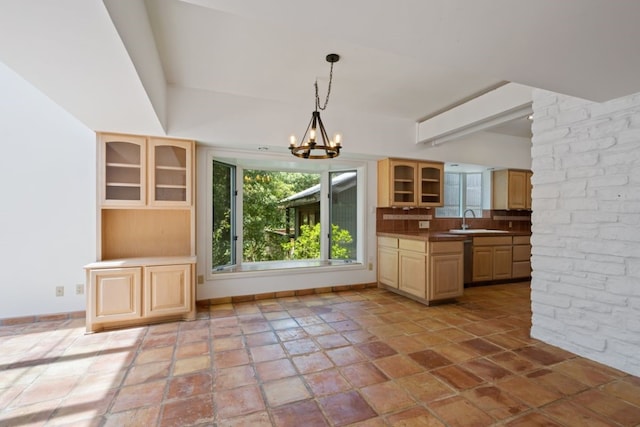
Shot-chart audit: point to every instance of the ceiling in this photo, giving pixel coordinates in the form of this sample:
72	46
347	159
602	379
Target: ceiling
209	69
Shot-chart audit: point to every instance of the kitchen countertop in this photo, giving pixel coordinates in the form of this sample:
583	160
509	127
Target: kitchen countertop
444	236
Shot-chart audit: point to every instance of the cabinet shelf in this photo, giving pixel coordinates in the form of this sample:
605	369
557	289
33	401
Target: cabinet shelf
123	184
171	168
123	165
182	187
430	180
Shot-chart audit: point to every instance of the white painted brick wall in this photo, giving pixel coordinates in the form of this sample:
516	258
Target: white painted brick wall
585	289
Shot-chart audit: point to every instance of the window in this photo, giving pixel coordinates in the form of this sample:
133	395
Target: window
462	191
262	215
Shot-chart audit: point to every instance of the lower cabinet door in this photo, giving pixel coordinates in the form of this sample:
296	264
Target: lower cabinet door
167	290
502	260
446	276
388	266
115	294
413	273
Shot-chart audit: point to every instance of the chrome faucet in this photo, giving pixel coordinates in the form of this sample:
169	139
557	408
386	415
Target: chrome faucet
464	218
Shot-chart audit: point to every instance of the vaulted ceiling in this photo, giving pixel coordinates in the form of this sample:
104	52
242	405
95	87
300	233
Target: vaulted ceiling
205	69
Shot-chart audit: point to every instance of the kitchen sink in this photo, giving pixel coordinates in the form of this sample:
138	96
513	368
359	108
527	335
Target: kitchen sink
476	230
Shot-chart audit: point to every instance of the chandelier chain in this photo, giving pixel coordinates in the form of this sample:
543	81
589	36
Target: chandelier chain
326	101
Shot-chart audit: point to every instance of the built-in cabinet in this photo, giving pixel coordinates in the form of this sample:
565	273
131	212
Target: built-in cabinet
492	258
138	291
511	189
521	266
145	232
410	183
426	271
388	261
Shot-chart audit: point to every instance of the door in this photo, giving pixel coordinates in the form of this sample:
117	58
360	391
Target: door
446	279
170	172
502	260
122	170
388	266
482	263
167	290
115	294
413	273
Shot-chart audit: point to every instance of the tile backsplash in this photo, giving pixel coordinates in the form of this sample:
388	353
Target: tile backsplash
387	220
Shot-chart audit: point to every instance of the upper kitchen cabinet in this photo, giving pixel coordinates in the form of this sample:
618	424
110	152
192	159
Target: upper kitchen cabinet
170	172
122	163
511	189
137	172
410	183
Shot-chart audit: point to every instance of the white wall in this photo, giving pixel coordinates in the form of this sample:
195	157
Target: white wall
47	214
586	227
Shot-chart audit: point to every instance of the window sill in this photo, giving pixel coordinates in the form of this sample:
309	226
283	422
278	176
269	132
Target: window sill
278	267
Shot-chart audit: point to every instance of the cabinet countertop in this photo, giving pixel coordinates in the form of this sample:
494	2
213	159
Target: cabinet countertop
443	236
139	262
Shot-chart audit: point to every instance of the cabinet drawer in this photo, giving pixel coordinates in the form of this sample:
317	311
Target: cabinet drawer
521	240
445	247
521	269
521	252
492	241
389	242
413	245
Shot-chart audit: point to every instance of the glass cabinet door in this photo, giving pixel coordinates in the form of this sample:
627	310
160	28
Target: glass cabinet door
430	184
123	170
170	172
404	183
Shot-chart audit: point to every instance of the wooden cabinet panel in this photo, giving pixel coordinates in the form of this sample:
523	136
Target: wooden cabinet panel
170	172
114	295
511	189
122	170
167	290
446	276
430	184
139	291
388	266
502	259
521	269
482	263
413	273
428	271
409	183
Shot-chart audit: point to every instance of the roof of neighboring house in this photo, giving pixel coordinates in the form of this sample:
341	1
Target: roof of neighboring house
312	194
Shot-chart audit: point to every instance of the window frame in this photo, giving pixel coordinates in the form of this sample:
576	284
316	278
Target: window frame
462	193
243	161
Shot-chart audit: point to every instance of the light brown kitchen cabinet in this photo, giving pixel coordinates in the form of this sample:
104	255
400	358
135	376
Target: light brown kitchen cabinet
425	271
145	232
412	267
139	291
139	171
492	258
521	266
388	261
511	189
410	183
115	295
446	272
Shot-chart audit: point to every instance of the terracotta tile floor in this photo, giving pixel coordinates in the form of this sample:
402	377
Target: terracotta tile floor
367	358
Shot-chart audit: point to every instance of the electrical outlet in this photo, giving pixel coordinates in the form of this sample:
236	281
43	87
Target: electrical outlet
200	279
423	224
79	289
59	291
370	266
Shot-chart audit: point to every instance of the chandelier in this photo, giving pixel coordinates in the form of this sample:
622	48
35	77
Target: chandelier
318	145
